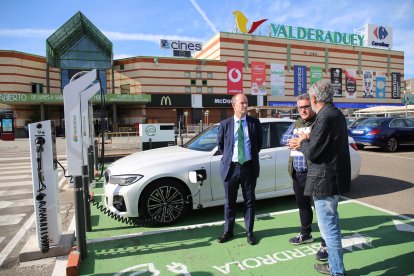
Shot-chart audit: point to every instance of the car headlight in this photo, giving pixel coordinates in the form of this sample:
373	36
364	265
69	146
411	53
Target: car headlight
124	180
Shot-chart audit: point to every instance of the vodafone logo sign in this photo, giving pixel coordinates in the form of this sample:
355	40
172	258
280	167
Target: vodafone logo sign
234	77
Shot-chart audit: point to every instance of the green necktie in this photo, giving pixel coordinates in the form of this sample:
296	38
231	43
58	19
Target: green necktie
240	143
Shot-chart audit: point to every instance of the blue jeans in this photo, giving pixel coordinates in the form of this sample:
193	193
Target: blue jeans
328	222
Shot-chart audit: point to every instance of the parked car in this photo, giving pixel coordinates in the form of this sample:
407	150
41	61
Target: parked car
385	132
156	183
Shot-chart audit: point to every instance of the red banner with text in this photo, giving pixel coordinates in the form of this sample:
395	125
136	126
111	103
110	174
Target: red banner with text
234	77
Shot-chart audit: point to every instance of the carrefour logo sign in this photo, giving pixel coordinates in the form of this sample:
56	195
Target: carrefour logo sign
378	36
181	45
380	32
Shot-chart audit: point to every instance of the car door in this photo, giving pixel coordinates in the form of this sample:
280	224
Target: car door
283	179
410	130
267	179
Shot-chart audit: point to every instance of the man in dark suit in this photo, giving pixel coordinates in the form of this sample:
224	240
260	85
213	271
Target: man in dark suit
329	171
239	139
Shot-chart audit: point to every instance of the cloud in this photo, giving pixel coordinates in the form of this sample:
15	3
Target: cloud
117	36
26	33
204	16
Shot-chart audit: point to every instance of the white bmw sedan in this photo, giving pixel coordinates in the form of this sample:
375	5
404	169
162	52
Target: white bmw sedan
156	185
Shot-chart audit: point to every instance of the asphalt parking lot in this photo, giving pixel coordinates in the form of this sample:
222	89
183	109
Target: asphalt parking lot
377	218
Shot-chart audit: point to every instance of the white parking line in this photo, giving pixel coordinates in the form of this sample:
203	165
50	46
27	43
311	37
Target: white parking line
11	219
386	155
16	203
12	177
16	192
15	240
17	183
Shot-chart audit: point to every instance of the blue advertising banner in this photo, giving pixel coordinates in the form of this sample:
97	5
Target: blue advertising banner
380	86
299	79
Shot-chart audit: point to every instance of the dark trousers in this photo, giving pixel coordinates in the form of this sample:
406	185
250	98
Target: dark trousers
240	175
304	204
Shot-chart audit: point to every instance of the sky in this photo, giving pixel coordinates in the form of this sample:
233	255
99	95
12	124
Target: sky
135	27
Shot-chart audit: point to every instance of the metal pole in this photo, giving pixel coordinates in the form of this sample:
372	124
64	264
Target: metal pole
79	215
85	180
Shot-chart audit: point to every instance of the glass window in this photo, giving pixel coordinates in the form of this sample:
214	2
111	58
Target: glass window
204	82
209	75
409	122
280	130
205	141
266	136
198	75
398	123
209	89
125	89
193	82
199	90
187	74
37	87
188	89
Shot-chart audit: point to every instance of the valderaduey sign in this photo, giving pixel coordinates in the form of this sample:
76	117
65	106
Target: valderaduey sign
301	33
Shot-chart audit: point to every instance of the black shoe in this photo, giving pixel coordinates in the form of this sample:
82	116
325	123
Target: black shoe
301	239
322	268
322	254
225	237
251	239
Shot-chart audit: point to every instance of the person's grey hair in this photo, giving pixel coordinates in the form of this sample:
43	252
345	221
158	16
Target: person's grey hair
304	96
323	91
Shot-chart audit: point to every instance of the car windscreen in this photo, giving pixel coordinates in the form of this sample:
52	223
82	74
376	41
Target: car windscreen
205	141
369	122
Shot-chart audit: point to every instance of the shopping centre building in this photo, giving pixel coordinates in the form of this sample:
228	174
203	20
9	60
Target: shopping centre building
270	69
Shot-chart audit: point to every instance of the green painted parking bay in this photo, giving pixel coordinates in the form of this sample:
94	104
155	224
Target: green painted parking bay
375	242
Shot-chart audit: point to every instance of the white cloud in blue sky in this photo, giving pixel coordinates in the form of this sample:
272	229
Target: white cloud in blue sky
135	27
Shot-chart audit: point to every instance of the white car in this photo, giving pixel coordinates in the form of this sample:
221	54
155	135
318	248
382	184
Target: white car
156	185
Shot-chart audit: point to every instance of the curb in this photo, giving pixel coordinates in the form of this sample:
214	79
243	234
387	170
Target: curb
72	266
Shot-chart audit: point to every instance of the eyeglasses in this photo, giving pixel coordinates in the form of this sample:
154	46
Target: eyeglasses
304	107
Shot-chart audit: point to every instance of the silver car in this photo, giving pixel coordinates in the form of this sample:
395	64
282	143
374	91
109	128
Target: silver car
158	184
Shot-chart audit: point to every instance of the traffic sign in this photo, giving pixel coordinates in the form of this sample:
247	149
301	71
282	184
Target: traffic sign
407	99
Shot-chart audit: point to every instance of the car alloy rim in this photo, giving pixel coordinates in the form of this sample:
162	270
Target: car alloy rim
392	144
165	204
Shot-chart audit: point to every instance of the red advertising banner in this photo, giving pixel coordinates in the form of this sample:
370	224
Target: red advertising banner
234	77
258	78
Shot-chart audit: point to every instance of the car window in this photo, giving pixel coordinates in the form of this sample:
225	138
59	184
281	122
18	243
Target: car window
397	123
205	141
266	136
410	123
370	122
280	129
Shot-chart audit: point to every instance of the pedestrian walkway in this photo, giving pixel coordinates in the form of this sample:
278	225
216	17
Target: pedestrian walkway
16	194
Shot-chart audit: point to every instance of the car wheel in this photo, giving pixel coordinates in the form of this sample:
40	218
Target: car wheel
164	202
391	145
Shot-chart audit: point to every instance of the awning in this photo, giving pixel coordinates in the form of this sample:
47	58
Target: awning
385	110
28	98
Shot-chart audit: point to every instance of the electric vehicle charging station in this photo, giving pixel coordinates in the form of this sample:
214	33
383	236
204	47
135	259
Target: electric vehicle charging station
79	137
42	139
156	135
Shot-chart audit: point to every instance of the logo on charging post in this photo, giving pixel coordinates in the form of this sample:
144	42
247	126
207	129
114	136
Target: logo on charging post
75	127
150	130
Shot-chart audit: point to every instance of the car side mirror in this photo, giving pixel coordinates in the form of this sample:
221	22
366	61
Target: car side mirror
197	175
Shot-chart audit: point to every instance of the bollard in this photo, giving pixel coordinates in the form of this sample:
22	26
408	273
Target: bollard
87	205
80	220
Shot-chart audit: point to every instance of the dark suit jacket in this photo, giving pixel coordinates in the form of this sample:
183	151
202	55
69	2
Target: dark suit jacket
225	139
328	150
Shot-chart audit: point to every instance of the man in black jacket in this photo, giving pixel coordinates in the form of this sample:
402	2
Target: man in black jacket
329	173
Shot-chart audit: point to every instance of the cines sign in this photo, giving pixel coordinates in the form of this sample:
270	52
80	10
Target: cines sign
181	45
310	34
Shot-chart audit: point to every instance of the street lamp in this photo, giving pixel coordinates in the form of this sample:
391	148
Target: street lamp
206	117
186	122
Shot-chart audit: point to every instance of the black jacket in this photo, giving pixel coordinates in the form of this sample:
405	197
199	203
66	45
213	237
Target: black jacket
328	150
